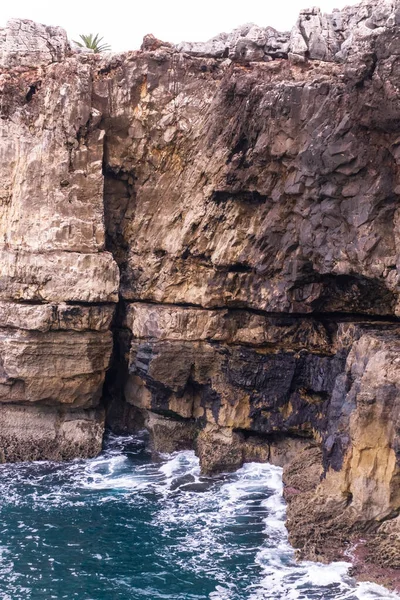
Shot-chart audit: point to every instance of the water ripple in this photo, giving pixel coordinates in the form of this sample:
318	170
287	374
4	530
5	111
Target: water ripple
125	526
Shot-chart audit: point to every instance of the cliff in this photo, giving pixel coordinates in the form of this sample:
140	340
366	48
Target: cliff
205	239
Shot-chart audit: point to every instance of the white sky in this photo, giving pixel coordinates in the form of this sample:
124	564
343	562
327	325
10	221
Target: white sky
123	23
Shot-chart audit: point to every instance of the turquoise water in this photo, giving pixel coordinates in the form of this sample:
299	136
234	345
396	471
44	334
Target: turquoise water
124	526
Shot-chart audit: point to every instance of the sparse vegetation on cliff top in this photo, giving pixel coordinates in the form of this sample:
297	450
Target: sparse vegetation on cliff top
93	42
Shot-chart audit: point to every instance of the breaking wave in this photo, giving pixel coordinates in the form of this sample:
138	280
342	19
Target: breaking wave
129	526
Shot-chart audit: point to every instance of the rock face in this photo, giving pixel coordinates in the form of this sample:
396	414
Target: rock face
29	44
58	285
337	36
235	206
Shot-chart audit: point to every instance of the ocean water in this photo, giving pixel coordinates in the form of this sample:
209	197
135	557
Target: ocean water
126	527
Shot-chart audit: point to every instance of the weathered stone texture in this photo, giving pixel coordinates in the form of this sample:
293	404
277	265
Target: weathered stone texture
28	44
346	35
288	208
32	433
47	317
252	206
57	282
247	193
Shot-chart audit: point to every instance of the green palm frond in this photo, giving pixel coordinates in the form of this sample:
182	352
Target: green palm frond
93	42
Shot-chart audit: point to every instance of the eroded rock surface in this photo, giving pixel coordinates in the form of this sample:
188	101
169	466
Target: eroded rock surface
25	43
341	36
238	201
58	284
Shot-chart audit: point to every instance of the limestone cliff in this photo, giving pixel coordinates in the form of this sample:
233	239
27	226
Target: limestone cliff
233	208
58	285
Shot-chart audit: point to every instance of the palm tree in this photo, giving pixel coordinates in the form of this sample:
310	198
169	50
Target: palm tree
93	42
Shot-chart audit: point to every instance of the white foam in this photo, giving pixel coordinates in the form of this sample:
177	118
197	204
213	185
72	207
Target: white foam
207	518
180	463
371	591
284	578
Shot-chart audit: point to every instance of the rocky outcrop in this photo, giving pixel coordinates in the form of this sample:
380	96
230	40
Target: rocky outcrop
341	36
58	285
24	43
252	209
232	210
356	487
